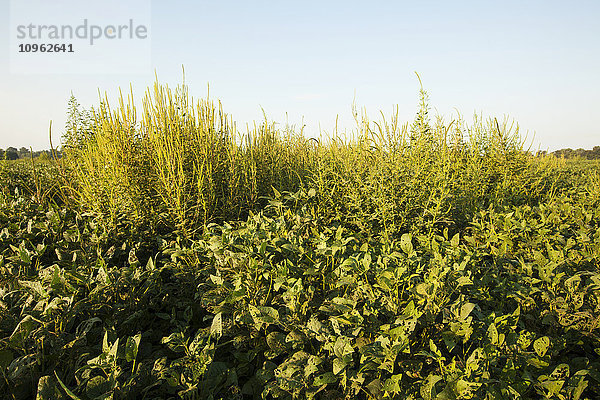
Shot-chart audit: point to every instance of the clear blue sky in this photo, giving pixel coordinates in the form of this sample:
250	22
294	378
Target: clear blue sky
536	61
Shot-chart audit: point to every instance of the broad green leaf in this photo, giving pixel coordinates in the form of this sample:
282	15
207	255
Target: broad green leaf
276	342
132	346
366	261
342	347
98	388
22	330
464	280
465	310
312	365
262	248
536	362
578	391
113	350
428	388
150	264
406	243
324	379
58	281
338	365
409	310
36	287
216	327
103	276
434	348
175	341
133	259
24	254
374	387
541	345
392	384
552	386
47	389
349	263
475	359
263	315
462	387
493	333
455	240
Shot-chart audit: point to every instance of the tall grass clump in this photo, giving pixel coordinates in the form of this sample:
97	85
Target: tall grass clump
389	178
181	165
205	169
103	163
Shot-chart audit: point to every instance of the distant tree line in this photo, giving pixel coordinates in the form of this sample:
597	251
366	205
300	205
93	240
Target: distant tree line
12	153
593	154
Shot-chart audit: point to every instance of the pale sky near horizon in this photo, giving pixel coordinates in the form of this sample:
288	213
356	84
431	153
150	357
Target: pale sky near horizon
537	62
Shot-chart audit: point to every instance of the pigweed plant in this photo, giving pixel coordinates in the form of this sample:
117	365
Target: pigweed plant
168	255
182	165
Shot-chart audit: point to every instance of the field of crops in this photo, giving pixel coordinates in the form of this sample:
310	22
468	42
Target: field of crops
173	257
